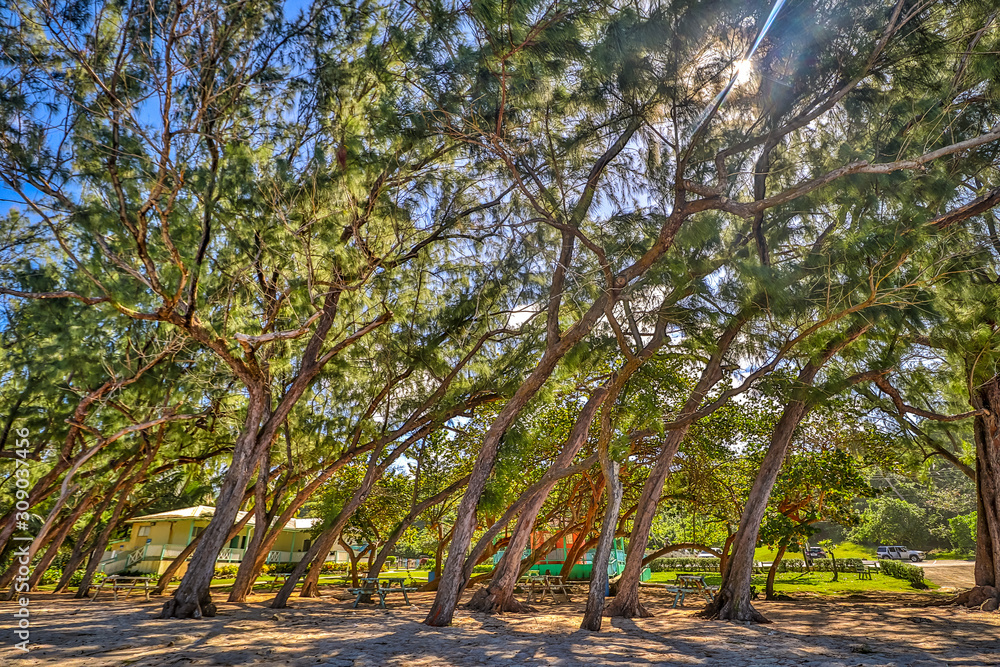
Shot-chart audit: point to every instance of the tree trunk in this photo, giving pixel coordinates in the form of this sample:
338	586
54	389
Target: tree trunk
498	597
256	555
80	551
411	517
247	572
987	437
592	616
773	570
58	537
580	537
319	550
193	598
733	599
175	564
101	544
453	579
626	602
313	561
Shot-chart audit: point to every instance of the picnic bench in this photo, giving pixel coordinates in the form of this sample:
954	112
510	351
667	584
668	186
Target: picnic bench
121	583
381	586
686	584
546	584
865	571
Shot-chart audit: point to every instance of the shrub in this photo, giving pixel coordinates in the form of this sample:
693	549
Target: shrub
819	564
685	565
962	532
225	572
905	571
482	567
51	576
330	568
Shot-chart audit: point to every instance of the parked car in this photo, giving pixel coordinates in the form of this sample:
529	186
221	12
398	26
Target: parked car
816	552
706	554
899	553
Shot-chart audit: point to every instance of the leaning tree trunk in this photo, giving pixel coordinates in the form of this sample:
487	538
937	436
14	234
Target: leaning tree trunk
80	551
986	594
248	569
58	537
498	597
319	549
101	544
592	616
83	546
408	520
193	598
175	564
453	579
626	602
773	570
732	602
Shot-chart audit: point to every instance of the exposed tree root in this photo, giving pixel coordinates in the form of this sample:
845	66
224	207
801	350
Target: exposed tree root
178	608
986	598
626	605
735	608
491	603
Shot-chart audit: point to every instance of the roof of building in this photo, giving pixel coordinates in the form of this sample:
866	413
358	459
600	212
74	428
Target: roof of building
207	511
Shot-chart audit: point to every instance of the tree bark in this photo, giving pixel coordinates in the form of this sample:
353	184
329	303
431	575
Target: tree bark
175	564
58	537
498	597
592	616
626	602
193	598
732	602
773	570
82	547
986	428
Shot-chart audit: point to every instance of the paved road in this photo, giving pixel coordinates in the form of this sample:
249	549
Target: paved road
950	573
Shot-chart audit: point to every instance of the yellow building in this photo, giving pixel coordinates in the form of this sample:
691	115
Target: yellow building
157	539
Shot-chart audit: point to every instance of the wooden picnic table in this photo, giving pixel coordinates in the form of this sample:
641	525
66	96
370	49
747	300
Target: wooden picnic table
866	571
685	584
381	586
547	584
118	582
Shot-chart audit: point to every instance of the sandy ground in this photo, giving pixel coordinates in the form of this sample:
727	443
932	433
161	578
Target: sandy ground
897	631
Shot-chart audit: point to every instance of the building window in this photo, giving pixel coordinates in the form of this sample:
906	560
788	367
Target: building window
306	545
144	531
197	531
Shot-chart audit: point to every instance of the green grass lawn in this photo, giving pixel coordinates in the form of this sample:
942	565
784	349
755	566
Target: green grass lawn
950	555
810	582
843	550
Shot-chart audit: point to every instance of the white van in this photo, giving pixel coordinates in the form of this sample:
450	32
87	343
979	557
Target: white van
899	553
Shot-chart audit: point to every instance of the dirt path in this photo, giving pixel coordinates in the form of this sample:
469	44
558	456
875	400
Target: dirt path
888	631
950	574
